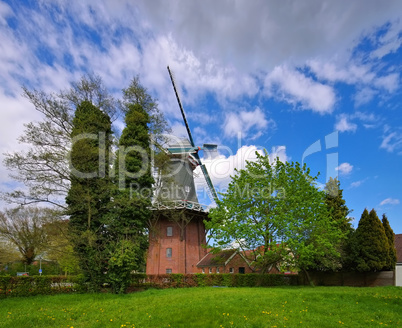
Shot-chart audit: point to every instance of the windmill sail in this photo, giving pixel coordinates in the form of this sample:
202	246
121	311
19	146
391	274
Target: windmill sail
211	188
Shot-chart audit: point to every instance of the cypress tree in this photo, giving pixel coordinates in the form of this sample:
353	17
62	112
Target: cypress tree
337	205
89	194
371	243
338	211
391	258
130	213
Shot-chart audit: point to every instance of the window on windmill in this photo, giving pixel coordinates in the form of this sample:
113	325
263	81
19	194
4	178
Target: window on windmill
187	188
231	270
168	270
169	231
168	252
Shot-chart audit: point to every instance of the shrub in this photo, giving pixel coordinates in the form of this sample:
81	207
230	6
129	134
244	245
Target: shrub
40	285
204	280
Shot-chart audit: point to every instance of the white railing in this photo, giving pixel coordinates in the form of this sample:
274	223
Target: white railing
179	204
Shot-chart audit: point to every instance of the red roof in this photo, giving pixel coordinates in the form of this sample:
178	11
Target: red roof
217	259
398	247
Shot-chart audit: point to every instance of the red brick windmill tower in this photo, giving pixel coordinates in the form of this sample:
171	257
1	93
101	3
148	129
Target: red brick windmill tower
177	231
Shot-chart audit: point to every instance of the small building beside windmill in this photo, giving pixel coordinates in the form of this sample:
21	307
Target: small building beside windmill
225	261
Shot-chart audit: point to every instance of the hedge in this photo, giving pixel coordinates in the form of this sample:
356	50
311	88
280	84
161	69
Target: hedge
49	285
39	285
225	279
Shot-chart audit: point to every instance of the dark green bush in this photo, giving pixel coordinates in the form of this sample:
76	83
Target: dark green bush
203	280
39	285
48	285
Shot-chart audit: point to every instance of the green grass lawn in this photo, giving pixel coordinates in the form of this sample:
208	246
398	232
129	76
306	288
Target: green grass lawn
211	307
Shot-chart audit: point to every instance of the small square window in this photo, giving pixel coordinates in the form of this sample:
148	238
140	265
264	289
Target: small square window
169	231
168	270
231	270
210	270
168	252
203	270
217	270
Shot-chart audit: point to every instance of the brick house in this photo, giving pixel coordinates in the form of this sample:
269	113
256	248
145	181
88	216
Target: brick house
226	261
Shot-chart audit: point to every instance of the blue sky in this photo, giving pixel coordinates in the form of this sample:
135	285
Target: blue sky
264	74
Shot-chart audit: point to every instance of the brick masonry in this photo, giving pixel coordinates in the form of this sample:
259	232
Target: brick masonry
236	263
186	242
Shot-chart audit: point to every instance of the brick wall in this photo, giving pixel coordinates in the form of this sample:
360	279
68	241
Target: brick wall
185	244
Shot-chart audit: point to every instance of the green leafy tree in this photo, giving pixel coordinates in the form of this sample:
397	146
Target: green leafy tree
89	196
8	252
60	248
24	228
371	243
276	210
391	258
124	257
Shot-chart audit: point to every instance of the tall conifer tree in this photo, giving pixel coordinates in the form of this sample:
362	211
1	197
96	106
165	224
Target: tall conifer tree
338	211
371	243
130	213
391	258
337	205
89	194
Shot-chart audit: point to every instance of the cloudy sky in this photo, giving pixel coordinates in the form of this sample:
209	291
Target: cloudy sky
310	81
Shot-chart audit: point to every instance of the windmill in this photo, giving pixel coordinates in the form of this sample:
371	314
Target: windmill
177	231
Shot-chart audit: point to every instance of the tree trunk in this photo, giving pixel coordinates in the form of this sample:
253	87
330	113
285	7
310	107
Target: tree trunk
311	283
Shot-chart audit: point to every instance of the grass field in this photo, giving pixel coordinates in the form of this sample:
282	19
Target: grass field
211	307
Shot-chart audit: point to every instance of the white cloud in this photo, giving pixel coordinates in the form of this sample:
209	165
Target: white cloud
344	168
386	49
179	130
364	96
389	42
297	89
392	141
244	121
341	72
256	34
18	111
388	82
389	201
343	124
368	119
365	117
357	183
222	168
366	76
5	11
